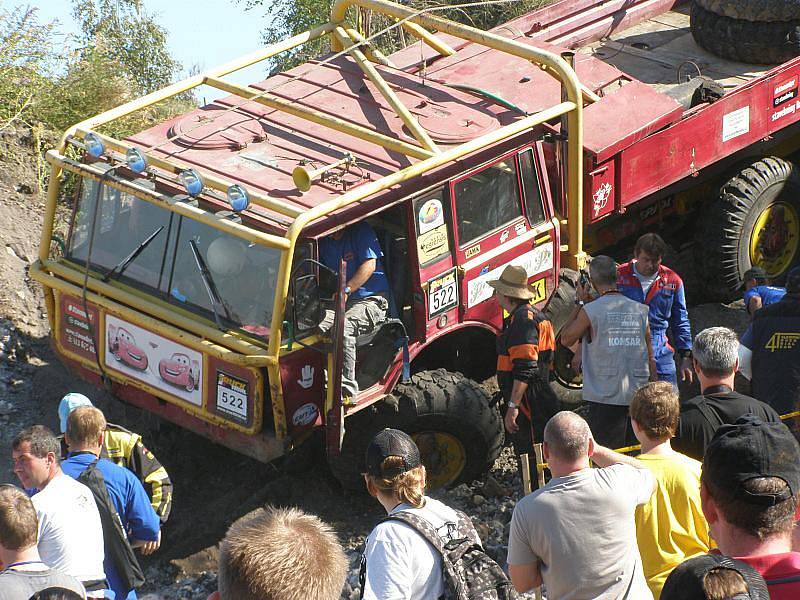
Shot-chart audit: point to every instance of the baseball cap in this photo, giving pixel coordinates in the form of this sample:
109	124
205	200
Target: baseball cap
391	442
756	273
748	449
69	403
687	579
793	280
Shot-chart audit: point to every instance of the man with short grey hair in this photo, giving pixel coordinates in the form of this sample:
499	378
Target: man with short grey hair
577	534
617	356
715	359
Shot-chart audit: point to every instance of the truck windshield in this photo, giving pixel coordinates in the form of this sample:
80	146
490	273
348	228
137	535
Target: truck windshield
107	235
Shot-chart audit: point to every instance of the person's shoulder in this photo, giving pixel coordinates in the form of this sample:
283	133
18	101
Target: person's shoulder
625	273
669	277
119	430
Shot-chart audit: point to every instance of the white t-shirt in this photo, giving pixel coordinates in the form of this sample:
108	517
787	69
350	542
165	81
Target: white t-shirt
70	531
645	280
581	530
401	564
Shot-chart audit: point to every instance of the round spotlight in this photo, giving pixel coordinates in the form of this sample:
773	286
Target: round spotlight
238	198
191	182
94	145
137	161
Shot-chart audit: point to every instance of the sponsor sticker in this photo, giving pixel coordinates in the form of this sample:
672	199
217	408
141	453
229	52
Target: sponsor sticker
77	327
430	215
472	251
539	289
535	261
600	198
784	92
305	415
432	243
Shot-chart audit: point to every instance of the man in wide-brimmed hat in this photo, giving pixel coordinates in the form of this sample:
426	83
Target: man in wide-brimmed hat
524	355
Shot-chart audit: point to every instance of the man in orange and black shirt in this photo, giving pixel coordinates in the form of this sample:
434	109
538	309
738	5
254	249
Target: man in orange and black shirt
525	350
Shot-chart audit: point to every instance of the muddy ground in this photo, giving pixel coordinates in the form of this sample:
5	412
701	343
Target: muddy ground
213	486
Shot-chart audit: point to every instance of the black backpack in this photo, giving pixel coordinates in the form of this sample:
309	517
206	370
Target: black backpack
468	572
115	538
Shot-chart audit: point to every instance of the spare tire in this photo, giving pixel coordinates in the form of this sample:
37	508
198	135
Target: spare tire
764	11
745	41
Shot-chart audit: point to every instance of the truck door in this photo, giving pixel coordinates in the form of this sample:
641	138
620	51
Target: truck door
503	215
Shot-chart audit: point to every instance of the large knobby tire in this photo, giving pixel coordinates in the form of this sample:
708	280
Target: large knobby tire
452	419
745	41
754	221
754	10
565	383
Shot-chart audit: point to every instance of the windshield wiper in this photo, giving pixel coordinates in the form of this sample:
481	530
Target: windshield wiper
120	267
211	289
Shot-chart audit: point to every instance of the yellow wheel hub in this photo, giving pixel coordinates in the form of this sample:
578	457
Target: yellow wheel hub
443	455
775	238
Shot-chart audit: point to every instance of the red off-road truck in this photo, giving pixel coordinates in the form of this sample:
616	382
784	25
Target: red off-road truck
570	129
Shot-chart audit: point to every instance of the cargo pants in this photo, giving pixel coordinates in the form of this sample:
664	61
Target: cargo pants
362	316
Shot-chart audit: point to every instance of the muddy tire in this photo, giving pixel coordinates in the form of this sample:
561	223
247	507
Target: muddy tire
753	221
745	41
565	383
754	10
452	418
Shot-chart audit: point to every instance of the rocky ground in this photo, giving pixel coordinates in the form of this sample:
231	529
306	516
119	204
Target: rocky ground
213	486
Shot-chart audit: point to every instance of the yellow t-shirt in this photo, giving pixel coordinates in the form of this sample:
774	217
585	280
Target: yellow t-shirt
671	527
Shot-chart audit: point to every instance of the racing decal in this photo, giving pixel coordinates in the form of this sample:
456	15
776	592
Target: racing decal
154	360
600	198
735	123
504	236
782	341
442	293
305	415
78	326
306	377
784	91
535	261
432	243
472	251
232	396
539	289
430	215
520	228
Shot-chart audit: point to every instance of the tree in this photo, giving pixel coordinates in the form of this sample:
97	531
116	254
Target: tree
290	17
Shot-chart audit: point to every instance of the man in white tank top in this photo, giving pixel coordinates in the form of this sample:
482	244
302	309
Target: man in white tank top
617	354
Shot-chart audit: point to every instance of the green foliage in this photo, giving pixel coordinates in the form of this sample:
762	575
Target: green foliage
290	17
120	55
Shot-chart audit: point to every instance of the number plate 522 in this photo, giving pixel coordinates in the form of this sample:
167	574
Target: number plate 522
442	293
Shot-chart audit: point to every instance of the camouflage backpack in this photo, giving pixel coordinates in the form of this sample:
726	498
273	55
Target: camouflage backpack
468	572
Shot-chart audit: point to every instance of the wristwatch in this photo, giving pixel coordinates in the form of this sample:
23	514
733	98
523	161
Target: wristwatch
347	290
511	404
579	302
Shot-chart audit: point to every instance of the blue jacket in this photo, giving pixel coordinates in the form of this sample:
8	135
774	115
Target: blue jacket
668	316
769	295
130	501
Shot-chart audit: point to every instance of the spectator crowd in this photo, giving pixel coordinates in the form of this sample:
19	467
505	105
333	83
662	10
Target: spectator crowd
707	509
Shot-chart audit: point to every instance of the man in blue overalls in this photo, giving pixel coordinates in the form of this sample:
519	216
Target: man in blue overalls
646	280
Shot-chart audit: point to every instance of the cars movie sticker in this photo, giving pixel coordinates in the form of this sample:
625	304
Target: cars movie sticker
430	215
232	396
154	360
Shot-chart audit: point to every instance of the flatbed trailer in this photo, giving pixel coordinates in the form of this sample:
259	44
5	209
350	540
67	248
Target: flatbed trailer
466	152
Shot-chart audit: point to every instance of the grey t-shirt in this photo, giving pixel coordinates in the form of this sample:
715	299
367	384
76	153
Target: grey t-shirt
581	530
21	585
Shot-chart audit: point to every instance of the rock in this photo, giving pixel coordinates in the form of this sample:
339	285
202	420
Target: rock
24	188
483	531
6	408
493	489
478	500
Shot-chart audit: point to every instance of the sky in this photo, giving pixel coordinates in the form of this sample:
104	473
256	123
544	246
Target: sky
205	33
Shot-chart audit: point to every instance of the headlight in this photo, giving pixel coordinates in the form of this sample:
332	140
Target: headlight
94	145
137	161
238	198
191	182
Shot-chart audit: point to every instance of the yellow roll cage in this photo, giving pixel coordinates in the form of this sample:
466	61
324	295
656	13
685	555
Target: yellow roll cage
54	275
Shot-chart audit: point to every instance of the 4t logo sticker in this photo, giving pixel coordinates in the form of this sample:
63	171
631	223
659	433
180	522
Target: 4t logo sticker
306	377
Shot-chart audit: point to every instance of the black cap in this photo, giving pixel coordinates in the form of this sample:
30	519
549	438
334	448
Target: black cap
748	449
793	281
756	273
686	580
391	442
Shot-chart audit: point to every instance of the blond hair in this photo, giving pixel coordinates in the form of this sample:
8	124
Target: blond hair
723	583
19	526
655	408
281	554
85	425
408	487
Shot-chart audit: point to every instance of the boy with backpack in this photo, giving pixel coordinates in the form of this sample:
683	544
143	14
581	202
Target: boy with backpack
423	549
